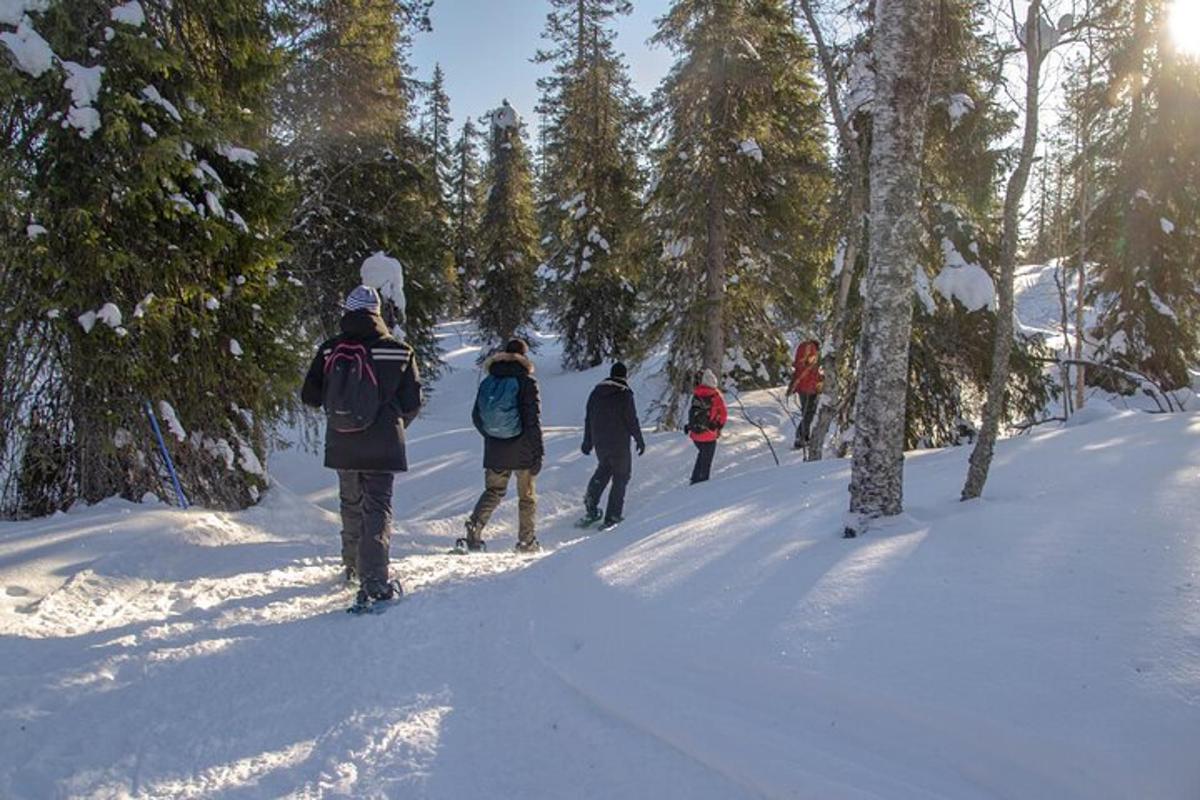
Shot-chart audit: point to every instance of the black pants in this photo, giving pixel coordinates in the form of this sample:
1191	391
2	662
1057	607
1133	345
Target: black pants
704	459
808	409
616	467
366	500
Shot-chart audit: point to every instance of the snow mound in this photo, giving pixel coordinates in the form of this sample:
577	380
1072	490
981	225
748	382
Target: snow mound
29	51
505	117
751	149
129	14
958	106
382	272
11	11
962	280
1097	409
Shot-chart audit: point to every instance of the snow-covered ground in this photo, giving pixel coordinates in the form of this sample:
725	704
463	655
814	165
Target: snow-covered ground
723	643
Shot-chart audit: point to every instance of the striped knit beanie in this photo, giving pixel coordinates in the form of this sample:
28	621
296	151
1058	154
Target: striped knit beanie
363	298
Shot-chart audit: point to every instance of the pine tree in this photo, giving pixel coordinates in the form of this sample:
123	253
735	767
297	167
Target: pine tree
143	267
363	179
508	243
464	186
590	181
439	168
437	123
1146	113
740	187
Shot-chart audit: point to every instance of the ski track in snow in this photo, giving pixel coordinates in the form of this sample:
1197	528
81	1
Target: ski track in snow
722	643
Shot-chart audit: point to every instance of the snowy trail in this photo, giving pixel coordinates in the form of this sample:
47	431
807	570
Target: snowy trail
1009	683
720	644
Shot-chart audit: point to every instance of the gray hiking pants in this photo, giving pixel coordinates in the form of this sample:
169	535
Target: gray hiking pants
366	500
495	486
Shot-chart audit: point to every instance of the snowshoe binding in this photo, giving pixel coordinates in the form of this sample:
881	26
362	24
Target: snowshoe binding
588	519
610	524
464	547
528	548
375	598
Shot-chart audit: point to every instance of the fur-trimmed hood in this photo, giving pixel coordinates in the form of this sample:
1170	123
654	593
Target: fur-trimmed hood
619	384
508	358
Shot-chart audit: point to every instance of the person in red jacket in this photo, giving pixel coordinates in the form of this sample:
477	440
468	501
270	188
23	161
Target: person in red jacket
806	384
706	417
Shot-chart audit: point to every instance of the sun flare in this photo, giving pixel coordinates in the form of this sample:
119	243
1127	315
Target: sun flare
1183	22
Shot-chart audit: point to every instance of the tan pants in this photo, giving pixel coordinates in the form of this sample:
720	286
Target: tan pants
495	487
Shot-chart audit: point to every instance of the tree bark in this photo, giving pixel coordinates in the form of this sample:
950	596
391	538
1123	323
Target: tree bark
835	333
903	50
993	409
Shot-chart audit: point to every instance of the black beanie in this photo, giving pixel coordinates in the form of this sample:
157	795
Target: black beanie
517	347
618	371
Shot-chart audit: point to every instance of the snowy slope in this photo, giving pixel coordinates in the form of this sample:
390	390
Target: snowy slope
723	643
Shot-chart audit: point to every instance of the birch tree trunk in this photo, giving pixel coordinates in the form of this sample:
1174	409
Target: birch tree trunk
835	334
903	50
993	409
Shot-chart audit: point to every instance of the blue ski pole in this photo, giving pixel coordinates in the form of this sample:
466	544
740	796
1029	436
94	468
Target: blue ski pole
162	446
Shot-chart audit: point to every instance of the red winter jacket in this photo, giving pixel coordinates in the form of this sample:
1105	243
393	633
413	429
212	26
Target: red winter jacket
806	370
719	415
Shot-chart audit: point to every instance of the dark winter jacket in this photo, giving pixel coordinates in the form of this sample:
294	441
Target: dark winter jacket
718	416
524	451
380	448
612	419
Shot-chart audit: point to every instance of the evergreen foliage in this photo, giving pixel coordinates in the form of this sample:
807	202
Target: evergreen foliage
141	249
590	213
741	181
1145	105
466	178
363	179
507	236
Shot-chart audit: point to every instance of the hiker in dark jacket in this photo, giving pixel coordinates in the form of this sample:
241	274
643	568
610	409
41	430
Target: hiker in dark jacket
366	460
505	456
612	420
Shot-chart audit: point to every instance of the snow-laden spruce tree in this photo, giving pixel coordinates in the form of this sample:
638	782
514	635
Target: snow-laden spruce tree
590	182
141	248
507	236
740	188
363	179
902	53
1145	111
466	177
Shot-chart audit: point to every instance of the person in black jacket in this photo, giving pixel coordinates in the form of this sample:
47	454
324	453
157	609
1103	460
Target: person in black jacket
521	454
612	420
366	461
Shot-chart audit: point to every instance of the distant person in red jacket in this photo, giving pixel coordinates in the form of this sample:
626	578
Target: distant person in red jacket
706	417
806	384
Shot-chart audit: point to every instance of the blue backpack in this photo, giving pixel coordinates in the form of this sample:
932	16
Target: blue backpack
497	406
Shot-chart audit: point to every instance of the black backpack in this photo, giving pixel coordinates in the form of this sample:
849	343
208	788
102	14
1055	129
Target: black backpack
352	396
700	414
